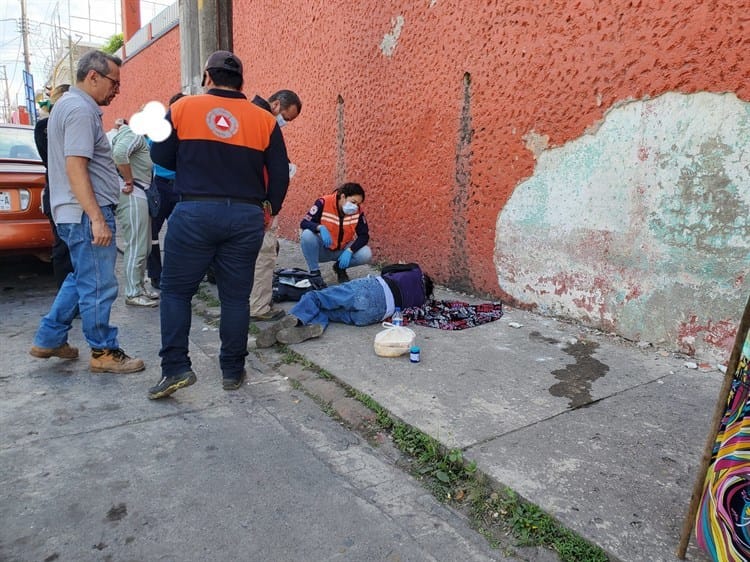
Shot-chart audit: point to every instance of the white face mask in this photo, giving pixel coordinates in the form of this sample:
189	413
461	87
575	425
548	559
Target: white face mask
280	120
349	208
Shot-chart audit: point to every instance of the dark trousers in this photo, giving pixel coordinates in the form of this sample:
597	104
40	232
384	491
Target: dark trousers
227	236
168	200
61	262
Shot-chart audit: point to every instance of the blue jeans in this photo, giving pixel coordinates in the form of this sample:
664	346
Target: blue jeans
359	302
315	252
224	235
91	289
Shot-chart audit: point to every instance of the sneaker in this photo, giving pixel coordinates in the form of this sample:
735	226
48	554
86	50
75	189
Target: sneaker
267	337
63	351
299	334
168	385
114	361
230	383
272	314
149	294
341	274
141	300
317	281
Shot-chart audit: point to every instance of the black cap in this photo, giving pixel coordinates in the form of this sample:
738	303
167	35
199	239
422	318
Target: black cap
226	61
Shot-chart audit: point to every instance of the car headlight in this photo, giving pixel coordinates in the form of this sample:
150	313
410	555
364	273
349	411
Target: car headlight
25	198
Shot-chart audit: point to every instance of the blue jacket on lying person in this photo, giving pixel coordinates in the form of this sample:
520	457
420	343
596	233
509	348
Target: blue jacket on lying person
360	302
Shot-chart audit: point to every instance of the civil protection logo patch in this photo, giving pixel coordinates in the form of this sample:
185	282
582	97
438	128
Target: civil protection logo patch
222	122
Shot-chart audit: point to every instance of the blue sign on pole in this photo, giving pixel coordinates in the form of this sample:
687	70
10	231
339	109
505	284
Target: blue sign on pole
28	86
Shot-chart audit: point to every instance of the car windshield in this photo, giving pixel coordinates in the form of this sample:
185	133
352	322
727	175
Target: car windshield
17	143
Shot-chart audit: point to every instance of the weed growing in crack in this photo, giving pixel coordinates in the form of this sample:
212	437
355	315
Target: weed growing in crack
500	513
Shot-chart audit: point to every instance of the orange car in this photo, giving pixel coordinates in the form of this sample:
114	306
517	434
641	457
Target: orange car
24	229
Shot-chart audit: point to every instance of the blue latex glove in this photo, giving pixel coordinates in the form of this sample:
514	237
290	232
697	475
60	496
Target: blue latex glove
325	236
345	258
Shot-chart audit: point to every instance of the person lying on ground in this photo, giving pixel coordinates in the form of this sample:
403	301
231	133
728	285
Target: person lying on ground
360	302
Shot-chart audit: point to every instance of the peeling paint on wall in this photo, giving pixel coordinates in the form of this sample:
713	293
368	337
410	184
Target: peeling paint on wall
390	40
641	227
536	143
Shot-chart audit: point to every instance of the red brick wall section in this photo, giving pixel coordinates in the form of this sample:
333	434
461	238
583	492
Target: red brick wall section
436	131
152	74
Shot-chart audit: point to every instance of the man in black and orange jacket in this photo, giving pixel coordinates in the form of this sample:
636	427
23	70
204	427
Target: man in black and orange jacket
219	147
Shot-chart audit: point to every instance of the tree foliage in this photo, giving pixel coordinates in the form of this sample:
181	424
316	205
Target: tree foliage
113	44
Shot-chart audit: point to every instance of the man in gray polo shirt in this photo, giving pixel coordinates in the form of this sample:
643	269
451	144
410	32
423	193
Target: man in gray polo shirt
84	190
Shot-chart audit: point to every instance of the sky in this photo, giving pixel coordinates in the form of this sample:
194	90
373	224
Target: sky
50	22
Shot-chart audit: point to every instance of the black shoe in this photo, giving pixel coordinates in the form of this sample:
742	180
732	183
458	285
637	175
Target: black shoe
317	281
233	384
155	283
167	385
341	274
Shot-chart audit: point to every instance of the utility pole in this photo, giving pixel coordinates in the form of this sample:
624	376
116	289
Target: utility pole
190	56
25	33
6	104
70	58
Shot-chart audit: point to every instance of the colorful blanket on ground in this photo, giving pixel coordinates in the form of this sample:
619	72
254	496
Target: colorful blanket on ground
722	525
453	315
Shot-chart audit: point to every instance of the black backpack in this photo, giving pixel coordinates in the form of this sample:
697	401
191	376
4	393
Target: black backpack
290	284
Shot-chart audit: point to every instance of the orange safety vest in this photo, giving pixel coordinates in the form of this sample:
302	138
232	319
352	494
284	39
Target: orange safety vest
343	229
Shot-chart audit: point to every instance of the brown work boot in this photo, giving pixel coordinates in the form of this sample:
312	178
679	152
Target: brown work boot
267	337
114	361
63	351
298	334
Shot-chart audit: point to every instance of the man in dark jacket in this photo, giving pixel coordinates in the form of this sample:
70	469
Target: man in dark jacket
220	147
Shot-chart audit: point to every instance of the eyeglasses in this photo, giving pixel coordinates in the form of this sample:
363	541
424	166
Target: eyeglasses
115	83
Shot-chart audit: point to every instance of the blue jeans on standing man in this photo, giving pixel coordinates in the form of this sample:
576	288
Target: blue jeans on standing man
315	252
91	288
360	302
226	235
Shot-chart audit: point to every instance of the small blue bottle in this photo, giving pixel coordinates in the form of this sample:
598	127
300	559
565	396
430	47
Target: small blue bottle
414	354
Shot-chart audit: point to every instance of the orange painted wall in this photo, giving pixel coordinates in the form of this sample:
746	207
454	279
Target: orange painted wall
436	132
151	74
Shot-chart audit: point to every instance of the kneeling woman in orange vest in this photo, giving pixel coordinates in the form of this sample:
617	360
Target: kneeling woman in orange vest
335	229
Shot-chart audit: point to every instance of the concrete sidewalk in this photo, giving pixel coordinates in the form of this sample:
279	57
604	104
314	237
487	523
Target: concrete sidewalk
603	434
